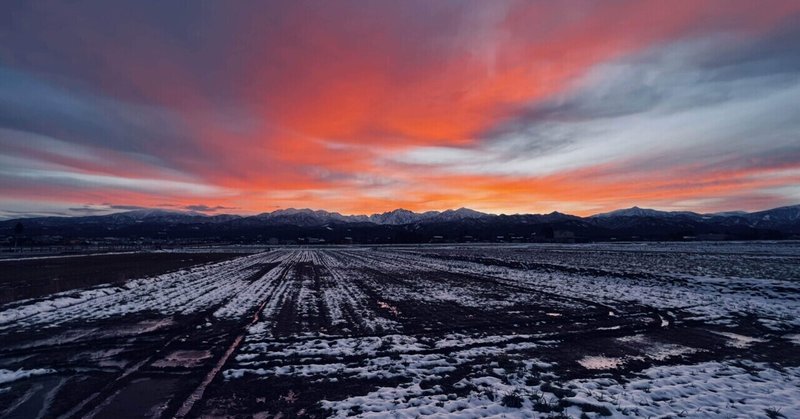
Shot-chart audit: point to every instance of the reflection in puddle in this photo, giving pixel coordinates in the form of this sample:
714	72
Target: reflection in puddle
386	306
102	358
145	326
35	401
69	336
600	362
186	358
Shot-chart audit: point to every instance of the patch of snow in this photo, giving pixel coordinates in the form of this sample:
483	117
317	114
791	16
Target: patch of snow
711	389
795	338
8	376
739	341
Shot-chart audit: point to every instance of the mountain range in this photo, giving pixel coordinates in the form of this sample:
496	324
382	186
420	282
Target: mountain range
402	225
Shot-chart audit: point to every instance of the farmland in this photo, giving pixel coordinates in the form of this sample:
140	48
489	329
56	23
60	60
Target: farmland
38	276
596	330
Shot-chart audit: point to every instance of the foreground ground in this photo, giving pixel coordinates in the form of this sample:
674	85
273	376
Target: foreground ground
647	330
30	277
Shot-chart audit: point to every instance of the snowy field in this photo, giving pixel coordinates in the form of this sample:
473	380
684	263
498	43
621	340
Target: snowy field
602	330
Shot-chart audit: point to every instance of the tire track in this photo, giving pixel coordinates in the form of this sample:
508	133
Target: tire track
92	405
197	395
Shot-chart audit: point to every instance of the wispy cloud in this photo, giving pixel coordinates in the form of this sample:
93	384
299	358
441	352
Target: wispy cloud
504	106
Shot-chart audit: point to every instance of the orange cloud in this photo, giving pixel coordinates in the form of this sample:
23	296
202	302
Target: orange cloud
320	95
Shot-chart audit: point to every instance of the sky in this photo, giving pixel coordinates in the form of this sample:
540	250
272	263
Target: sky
367	106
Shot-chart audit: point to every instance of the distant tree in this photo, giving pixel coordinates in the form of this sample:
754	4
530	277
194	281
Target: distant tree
547	232
18	230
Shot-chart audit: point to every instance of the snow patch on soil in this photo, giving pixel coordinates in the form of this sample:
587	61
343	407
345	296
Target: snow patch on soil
8	376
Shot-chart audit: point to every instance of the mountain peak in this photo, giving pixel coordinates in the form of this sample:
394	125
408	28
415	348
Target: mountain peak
394	217
399	211
158	212
634	211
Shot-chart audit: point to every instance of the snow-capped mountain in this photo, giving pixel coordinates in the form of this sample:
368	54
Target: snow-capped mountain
397	217
158	216
307	217
643	212
408	226
458	214
728	214
403	216
774	217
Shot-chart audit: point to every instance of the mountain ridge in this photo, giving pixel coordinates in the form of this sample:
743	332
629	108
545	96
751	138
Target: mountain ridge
401	216
401	225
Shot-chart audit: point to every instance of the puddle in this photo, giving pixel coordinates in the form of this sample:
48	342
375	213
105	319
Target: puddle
59	339
36	401
10	362
187	359
143	398
600	363
103	358
145	326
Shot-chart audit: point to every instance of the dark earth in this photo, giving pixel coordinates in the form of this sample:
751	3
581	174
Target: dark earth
388	319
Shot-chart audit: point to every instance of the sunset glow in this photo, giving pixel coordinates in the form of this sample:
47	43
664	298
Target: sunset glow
364	107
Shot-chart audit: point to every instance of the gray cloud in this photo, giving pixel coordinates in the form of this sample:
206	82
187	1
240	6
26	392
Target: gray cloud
72	114
125	207
10	214
661	109
88	210
677	76
777	53
206	208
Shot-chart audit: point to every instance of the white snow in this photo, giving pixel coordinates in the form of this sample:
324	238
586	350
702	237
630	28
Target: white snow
364	300
739	341
712	389
8	376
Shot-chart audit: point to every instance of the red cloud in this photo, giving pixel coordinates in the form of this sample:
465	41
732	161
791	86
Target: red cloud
331	90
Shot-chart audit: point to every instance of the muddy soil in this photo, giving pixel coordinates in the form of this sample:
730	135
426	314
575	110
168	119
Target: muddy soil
29	278
323	332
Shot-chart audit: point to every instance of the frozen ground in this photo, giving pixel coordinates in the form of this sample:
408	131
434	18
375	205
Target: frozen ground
617	330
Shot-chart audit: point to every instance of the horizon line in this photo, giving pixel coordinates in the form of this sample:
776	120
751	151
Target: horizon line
99	212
